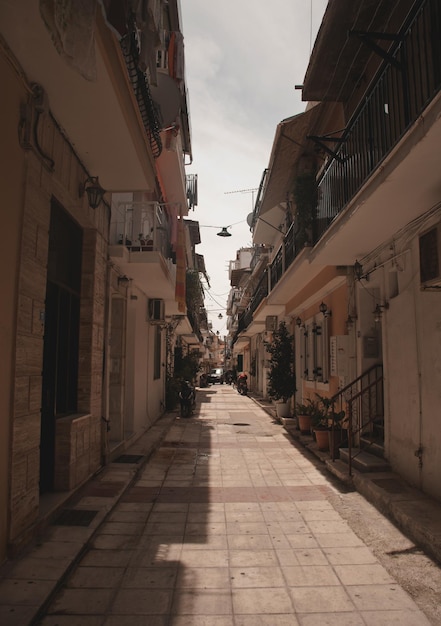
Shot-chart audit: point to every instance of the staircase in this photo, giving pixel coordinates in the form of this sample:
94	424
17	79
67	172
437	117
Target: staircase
362	401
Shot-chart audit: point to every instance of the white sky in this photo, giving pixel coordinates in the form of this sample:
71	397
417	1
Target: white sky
243	59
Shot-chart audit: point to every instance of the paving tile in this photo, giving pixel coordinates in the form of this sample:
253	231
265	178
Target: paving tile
349	556
203	578
399	618
249	542
72	620
326	600
16	615
380	597
248	577
132	620
252	558
202	602
331	619
366	574
121	528
95	577
24	591
335	540
31	568
197	558
208	542
310	576
201	620
150	577
266	620
262	601
142	602
107	558
81	602
132	517
247	528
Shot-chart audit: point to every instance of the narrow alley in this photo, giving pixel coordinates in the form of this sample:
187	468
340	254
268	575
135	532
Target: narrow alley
228	523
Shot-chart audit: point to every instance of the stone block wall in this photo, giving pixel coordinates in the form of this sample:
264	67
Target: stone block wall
82	438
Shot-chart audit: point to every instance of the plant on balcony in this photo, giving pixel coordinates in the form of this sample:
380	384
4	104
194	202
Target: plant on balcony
281	376
305	197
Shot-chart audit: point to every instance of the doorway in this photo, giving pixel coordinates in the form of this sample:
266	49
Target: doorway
61	335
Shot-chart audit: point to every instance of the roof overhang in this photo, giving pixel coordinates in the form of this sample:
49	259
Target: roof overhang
289	145
338	60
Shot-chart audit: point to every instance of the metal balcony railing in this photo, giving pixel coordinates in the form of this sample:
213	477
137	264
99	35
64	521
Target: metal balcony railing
141	227
140	85
405	85
191	181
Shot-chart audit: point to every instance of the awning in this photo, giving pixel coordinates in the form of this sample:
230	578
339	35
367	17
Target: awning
289	144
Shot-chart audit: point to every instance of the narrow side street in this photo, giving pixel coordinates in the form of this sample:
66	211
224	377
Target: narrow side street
231	523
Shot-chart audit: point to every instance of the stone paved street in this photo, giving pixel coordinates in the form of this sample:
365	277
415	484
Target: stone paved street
229	523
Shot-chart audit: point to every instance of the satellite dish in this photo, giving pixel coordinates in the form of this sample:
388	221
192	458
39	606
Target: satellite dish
250	219
167	96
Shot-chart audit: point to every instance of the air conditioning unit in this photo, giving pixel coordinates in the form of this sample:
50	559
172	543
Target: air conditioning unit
156	311
430	257
271	323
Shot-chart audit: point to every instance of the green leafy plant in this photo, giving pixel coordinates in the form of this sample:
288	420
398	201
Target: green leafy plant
281	376
327	415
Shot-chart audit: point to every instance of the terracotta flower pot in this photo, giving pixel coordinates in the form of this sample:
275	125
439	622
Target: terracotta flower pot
304	424
322	438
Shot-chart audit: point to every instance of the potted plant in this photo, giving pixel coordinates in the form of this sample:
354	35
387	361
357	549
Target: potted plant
330	423
306	413
281	376
320	424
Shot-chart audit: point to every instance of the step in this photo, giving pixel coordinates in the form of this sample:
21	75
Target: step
373	447
363	461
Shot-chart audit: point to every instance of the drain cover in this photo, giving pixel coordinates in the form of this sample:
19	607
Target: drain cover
241	424
74	517
129	458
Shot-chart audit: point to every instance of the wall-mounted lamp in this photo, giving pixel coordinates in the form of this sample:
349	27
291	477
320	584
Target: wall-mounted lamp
378	311
324	309
95	192
224	232
123	280
298	321
220	316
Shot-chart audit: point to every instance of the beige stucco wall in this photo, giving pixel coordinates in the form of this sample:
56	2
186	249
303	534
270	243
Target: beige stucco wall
412	347
12	163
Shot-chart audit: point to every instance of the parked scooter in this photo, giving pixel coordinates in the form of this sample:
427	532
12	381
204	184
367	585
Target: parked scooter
241	385
187	398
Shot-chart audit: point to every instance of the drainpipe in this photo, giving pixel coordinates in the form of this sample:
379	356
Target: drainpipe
419	451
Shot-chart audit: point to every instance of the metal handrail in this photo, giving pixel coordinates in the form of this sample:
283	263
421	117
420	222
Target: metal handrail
351	397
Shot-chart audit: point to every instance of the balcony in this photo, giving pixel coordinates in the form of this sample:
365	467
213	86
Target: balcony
140	236
407	83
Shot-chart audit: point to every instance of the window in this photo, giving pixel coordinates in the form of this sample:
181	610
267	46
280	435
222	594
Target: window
312	350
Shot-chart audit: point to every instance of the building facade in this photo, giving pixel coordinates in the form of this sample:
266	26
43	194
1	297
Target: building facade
95	293
350	202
